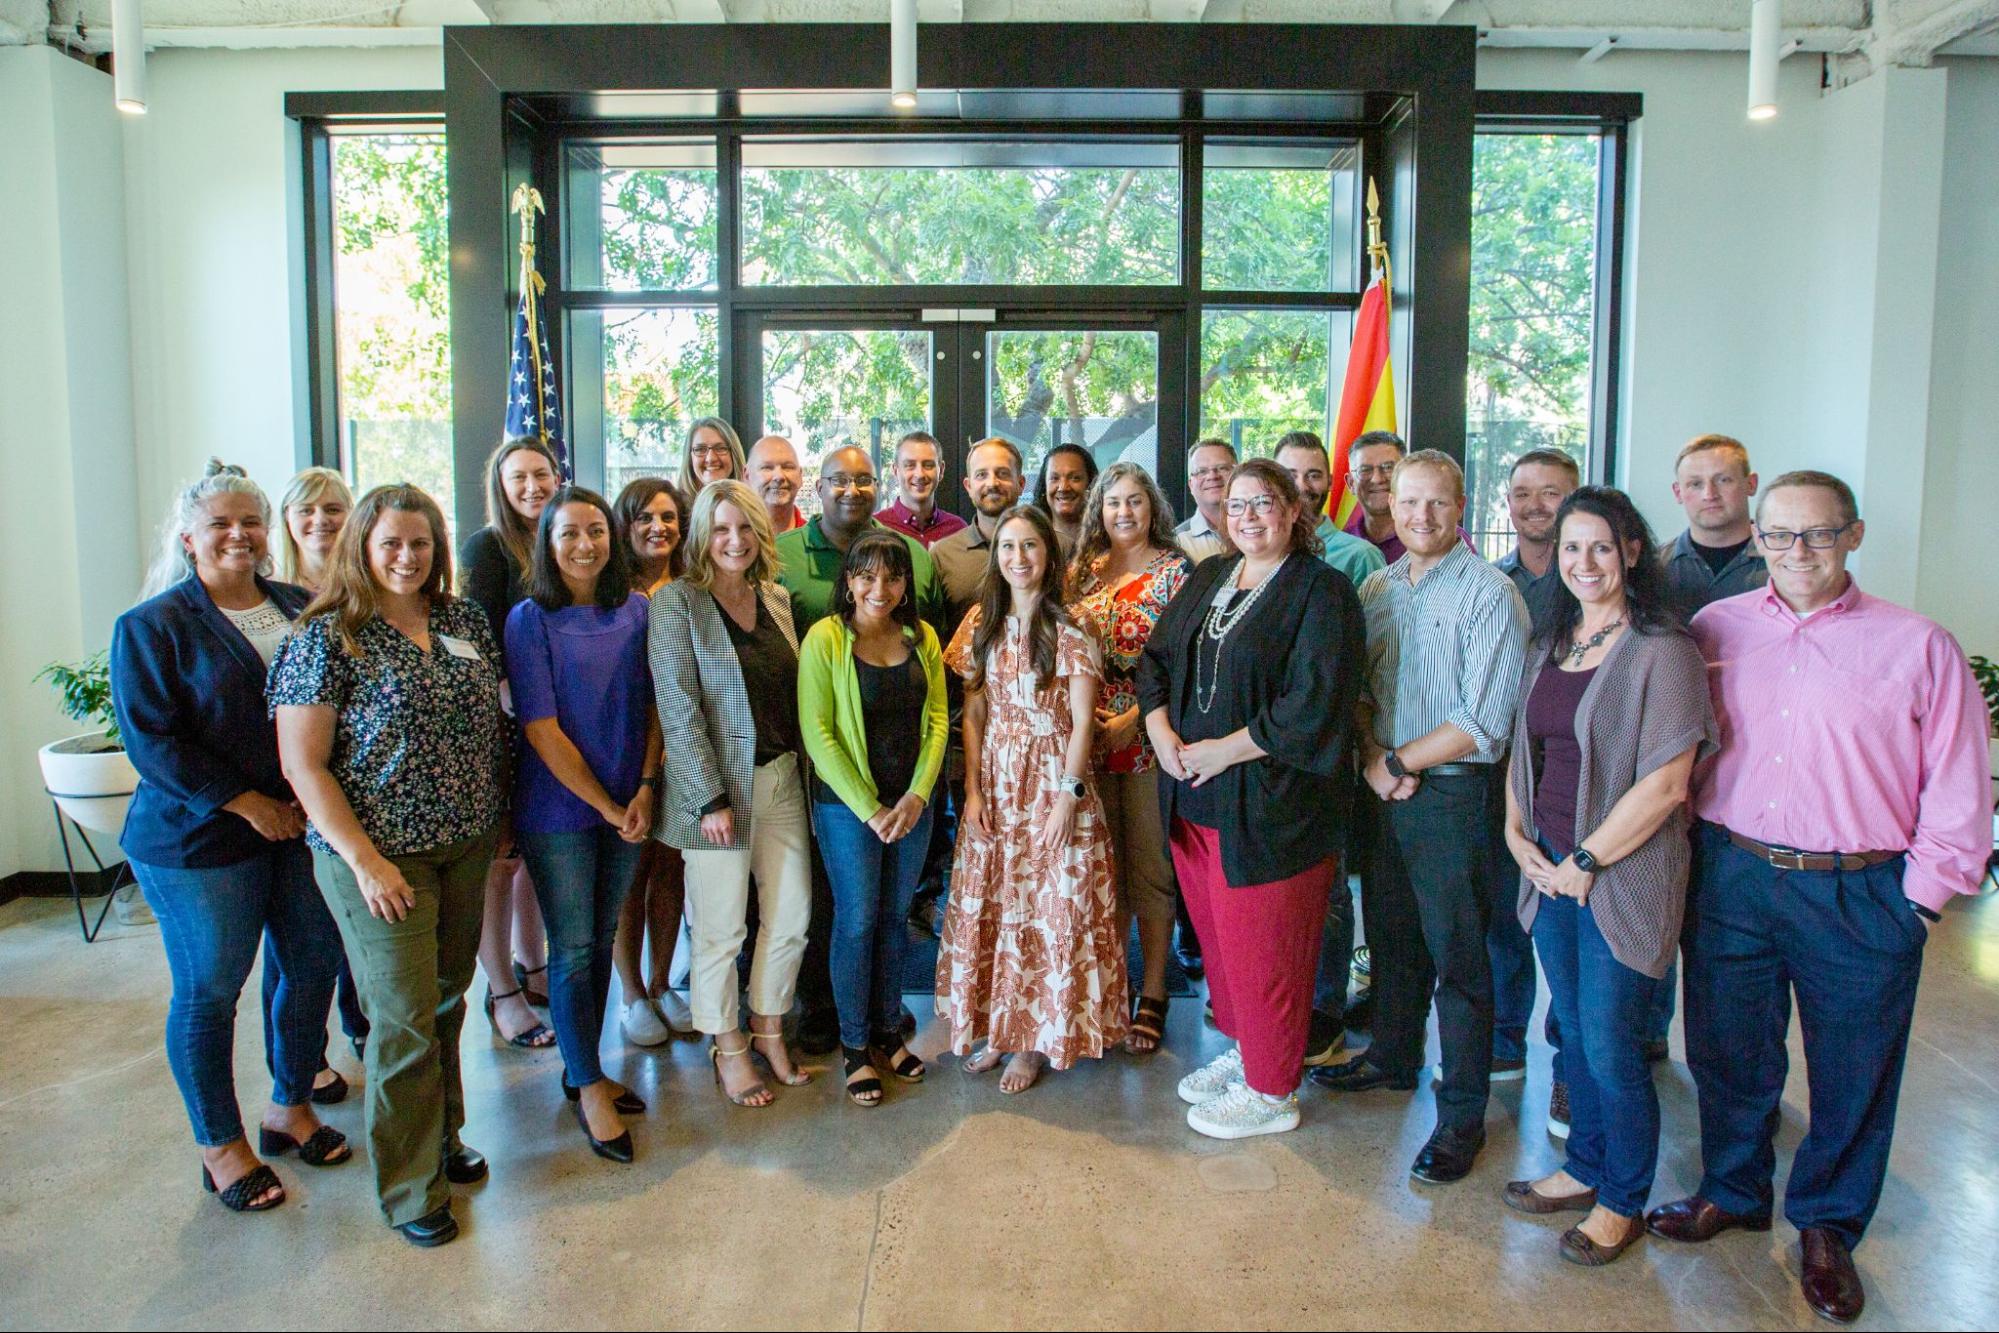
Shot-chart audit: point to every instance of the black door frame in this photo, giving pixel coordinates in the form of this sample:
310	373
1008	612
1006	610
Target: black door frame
507	88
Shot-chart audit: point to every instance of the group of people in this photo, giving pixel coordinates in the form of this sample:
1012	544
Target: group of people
697	702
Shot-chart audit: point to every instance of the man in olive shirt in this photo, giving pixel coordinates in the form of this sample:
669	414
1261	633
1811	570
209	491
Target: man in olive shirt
809	557
993	478
1714	558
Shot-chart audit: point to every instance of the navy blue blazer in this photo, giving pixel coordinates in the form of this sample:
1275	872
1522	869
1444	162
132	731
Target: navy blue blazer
189	693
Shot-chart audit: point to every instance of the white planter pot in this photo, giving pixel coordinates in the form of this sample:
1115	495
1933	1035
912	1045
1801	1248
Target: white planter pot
91	780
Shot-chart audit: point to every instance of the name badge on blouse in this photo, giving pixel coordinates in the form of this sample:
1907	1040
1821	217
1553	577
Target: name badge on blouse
459	647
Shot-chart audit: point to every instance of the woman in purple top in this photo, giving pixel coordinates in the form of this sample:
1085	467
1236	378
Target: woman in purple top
583	796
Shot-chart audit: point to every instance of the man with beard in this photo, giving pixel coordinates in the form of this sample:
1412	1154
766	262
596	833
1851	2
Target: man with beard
1714	558
1209	463
772	471
915	512
993	481
1541	479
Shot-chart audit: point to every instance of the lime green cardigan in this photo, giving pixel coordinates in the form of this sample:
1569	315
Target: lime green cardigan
834	730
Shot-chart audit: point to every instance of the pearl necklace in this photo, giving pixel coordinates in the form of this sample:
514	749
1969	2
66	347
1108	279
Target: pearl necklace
1217	628
1582	650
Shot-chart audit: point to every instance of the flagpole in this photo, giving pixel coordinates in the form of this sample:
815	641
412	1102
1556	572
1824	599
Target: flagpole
1377	249
526	203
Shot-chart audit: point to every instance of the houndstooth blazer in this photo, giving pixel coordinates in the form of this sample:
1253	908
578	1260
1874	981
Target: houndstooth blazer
705	723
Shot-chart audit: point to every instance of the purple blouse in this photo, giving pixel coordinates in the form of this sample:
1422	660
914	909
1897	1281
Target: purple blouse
1558	757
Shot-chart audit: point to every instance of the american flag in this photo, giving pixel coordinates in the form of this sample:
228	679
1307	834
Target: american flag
534	408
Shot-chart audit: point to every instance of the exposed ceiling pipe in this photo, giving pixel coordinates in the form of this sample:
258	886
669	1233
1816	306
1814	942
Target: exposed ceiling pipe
1766	35
902	54
1599	51
128	57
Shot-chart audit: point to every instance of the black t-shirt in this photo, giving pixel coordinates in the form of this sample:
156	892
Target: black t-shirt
1206	804
892	700
1717	557
770	672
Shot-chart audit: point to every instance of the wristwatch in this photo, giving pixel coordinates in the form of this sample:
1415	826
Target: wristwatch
1393	763
1072	786
1584	861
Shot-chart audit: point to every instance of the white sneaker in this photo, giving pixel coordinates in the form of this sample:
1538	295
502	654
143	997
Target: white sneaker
674	1008
643	1025
1242	1112
1213	1079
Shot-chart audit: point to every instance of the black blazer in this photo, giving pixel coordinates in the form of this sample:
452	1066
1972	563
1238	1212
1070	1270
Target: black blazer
490	578
1294	673
188	690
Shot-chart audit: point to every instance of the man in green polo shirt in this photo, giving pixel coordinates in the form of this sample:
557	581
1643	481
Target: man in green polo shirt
809	557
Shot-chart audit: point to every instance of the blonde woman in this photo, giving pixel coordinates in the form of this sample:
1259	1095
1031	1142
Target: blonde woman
724	662
315	507
714	452
520	477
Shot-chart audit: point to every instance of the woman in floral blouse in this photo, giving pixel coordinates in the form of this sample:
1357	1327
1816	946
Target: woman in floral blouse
1128	566
387	699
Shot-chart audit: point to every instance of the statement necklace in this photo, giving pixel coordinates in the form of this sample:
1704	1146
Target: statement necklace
1581	650
1217	628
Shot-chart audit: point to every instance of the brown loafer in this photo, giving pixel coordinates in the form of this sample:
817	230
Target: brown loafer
1830	1282
1694	1219
1521	1196
1578	1248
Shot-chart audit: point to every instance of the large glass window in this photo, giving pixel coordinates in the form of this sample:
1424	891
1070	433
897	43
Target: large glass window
652	370
825	389
1534	300
391	316
1266	371
825	212
1279	217
642	216
1097	387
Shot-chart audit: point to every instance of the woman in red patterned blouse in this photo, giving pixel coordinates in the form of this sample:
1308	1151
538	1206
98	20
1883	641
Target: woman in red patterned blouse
1127	568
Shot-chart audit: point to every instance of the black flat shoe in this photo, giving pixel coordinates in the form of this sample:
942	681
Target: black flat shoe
1448	1156
1360	1074
611	1150
627	1102
438	1227
325	1146
257	1180
329	1094
467	1166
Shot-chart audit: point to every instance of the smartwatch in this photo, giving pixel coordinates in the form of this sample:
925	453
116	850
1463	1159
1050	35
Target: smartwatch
1072	786
1584	861
1393	763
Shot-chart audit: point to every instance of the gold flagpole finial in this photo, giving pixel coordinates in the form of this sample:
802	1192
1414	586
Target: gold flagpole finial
1377	249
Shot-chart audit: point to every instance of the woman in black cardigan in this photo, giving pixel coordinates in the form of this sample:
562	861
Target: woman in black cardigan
1248	688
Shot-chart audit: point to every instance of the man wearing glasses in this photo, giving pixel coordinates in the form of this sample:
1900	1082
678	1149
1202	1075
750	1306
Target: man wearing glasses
1371	461
1209	463
1714	557
1848	805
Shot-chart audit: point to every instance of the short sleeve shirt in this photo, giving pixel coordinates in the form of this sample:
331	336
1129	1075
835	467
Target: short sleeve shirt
419	744
1123	618
585	667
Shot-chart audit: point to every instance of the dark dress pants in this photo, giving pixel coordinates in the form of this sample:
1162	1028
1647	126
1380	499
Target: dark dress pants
1428	910
1850	946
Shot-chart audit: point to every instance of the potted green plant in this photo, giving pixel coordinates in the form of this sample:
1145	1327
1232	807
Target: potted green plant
88	774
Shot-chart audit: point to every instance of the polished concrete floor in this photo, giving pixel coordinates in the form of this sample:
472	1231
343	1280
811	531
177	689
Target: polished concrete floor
1085	1203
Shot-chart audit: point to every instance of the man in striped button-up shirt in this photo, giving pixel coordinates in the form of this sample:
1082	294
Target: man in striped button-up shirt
1446	637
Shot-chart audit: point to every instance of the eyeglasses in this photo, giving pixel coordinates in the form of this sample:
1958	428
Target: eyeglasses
1259	505
1218	470
1817	539
708	450
1375	470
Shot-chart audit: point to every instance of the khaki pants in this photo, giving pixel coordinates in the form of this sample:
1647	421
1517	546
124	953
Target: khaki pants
1145	884
718	896
412	976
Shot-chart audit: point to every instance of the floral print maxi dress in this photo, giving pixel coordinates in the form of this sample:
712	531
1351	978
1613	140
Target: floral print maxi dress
1031	958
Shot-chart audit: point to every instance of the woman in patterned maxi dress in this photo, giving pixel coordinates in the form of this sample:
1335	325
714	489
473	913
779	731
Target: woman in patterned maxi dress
1031	961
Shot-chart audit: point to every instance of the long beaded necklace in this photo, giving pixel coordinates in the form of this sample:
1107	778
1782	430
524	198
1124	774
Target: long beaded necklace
1581	650
1216	630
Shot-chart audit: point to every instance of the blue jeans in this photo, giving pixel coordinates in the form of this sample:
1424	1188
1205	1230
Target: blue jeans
211	921
352	1021
580	880
1602	1008
1851	948
873	884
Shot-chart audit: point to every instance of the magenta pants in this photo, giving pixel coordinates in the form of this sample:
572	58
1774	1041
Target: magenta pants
1261	943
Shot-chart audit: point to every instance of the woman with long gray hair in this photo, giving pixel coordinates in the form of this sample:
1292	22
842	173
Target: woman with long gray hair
215	835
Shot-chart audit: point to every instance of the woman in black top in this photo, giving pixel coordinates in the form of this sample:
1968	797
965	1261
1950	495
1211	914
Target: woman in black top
493	564
1248	688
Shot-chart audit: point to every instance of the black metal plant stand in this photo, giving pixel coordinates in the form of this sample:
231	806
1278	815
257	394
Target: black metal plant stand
118	881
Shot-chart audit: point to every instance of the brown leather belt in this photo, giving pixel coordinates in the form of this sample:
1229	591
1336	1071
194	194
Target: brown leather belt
1789	858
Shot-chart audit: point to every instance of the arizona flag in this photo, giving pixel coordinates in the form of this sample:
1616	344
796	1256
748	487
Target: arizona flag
1367	399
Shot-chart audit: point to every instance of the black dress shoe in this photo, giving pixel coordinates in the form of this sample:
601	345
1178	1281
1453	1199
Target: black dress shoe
1359	1075
611	1150
466	1166
438	1227
1190	961
1693	1219
627	1102
1449	1155
1830	1282
818	1033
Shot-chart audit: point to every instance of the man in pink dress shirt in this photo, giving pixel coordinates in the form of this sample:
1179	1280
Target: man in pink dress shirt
1848	805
